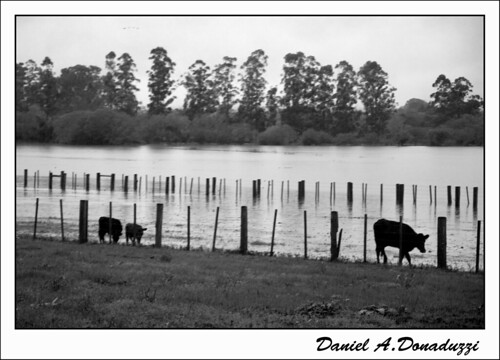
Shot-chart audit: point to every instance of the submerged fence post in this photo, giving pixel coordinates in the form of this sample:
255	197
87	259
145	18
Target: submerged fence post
349	192
449	195
441	239
478	244
474	198
173	184
83	223
62	219
50	180
25	177
244	230
98	181
87	182
125	184
215	229
112	186
189	229
135	182
36	219
159	224
457	196
207	187
364	237
214	185
305	234
274	228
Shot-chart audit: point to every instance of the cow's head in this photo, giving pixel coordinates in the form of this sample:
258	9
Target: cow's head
421	242
139	233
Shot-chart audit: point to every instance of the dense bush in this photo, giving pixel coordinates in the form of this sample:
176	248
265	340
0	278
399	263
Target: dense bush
171	128
315	137
278	135
101	127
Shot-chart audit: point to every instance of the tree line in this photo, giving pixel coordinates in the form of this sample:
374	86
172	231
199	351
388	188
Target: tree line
318	104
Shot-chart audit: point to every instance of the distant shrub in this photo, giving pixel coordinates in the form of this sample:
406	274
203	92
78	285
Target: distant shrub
171	128
315	137
346	139
438	137
278	135
100	127
242	134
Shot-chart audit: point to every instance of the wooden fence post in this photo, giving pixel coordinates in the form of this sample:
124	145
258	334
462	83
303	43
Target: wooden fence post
110	222
305	234
167	185
83	223
36	219
334	227
189	229
400	262
457	196
364	237
215	229
449	195
98	181
274	228
112	185
441	239
173	184
349	192
125	184
25	177
244	230
207	187
50	180
135	222
159	224
214	185
62	219
478	244
135	182
87	182
474	198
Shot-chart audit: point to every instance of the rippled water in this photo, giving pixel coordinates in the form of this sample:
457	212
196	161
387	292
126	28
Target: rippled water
281	167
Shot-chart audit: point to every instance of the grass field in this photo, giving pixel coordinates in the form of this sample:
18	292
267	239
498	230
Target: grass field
71	285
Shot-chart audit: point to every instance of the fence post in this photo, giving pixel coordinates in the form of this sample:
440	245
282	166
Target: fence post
159	223
83	224
135	222
441	239
214	185
112	186
215	229
457	196
274	228
62	219
244	230
188	228
334	227
50	180
87	185
430	193
305	234
173	184
110	222
36	219
400	262
474	198
25	177
349	192
98	181
135	182
364	238
207	187
449	195
478	244
167	185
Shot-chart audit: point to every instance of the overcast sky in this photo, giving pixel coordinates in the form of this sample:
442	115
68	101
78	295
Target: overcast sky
414	51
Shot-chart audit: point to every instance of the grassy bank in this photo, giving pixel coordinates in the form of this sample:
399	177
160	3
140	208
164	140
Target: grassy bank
68	285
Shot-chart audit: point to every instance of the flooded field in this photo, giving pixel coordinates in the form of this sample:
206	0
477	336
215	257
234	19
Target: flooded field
279	169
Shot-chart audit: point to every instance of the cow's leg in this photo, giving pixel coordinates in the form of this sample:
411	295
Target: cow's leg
101	236
377	250
407	256
385	256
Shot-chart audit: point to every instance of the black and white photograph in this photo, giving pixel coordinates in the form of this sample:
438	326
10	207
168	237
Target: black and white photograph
224	181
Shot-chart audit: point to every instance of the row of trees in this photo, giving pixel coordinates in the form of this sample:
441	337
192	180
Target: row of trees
313	96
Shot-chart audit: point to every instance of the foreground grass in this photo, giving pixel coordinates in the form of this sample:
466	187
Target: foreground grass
69	285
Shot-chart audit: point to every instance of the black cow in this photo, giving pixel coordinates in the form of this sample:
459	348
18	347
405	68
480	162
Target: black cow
387	234
129	232
116	228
